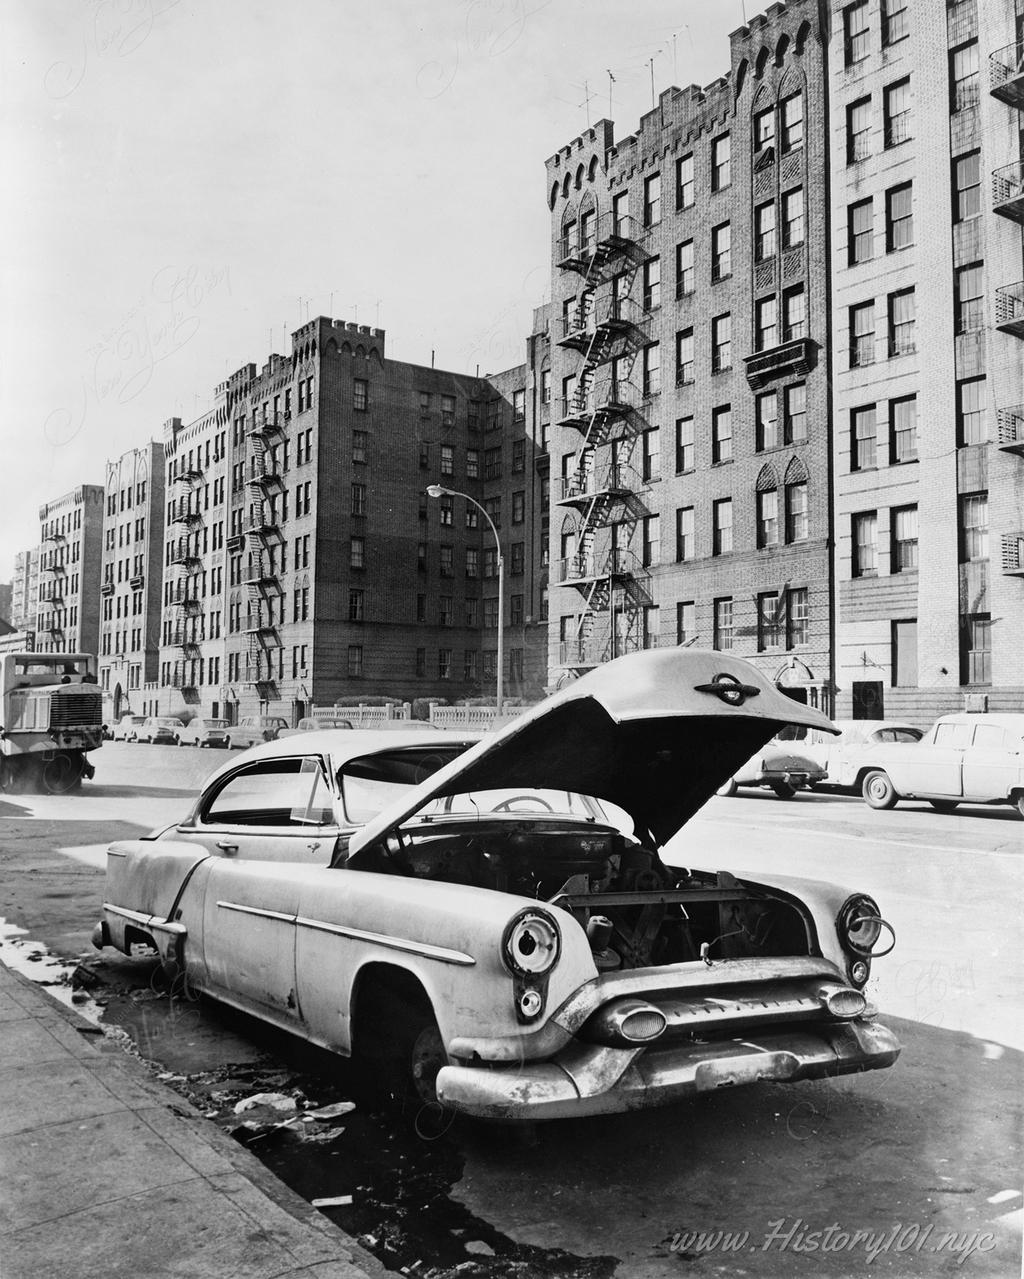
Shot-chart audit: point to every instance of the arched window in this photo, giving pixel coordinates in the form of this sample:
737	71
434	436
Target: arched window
592	169
553	198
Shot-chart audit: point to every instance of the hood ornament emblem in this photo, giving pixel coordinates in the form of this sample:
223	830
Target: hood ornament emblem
729	689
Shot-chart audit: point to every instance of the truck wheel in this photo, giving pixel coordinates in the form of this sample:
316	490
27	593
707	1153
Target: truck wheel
62	774
878	791
784	790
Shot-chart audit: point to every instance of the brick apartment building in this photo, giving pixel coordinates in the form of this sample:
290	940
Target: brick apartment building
70	557
304	562
690	368
130	588
928	353
25	590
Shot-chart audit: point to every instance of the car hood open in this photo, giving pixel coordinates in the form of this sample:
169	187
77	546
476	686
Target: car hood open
655	733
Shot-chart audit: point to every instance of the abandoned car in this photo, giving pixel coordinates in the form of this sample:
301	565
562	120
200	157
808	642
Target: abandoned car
490	925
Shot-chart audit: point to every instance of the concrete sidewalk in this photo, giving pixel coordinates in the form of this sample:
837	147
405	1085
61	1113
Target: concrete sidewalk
103	1171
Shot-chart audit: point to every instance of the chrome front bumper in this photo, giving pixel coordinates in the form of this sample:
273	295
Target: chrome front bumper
588	1079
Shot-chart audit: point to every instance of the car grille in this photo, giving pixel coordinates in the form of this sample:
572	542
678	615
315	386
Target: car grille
71	708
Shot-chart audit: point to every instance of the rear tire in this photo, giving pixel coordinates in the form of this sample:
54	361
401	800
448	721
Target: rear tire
944	805
784	790
878	791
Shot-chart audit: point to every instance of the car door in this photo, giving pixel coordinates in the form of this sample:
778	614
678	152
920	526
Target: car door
279	809
934	765
992	763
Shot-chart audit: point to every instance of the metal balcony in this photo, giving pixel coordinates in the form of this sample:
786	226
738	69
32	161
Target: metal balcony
263	480
272	427
604	493
189	604
58	570
597	575
611	328
790	359
55	537
1010	428
1010	309
593	650
188	477
1006	74
182	514
1013	554
1008	192
613	243
184	556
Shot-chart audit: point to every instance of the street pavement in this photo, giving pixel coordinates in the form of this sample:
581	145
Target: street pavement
106	1172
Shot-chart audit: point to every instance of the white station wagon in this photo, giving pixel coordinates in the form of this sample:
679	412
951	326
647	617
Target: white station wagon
490	925
962	759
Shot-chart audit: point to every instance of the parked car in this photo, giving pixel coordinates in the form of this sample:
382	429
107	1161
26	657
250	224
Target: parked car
160	728
491	925
127	728
845	757
962	759
253	729
204	732
781	765
310	725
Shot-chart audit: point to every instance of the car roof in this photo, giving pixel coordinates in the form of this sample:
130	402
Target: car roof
872	725
1005	719
343	745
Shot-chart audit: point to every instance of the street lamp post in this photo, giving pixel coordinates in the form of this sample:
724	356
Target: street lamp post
438	490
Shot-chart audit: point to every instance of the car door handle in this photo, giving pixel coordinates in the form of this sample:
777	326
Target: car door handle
228	849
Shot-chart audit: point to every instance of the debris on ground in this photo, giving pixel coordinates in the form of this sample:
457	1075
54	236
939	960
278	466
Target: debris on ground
274	1100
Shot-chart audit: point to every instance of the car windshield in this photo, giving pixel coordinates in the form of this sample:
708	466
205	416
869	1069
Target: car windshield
558	802
370	783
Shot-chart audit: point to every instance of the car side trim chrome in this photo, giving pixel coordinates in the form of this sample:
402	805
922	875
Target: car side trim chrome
440	953
147	921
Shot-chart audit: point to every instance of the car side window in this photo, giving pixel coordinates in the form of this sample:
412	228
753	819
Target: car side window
905	735
991	737
273	792
958	735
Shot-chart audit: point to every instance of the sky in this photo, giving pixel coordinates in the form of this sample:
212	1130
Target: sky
186	183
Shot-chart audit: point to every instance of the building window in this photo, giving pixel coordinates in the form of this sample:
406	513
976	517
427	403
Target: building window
860	232
684	182
895	25
795	398
792	122
721	343
472	562
903	536
972	411
863	439
721	167
421	662
767	518
963	76
651	455
445	610
472	464
793	218
620	212
360	394
766	324
797	617
967	186
904	654
447	561
651	552
767	421
684	268
899	218
357	553
856	33
721	512
976	648
974	527
969	301
723	632
492	463
796	512
518	506
903	429
684	533
764	231
902	317
896	108
447	410
355	606
652	199
519	406
794	314
358	499
865	544
447	459
685	444
652	369
764	129
684	357
770	608
862	334
359	439
652	284
545	386
447	510
858	130
721	434
721	251
686	622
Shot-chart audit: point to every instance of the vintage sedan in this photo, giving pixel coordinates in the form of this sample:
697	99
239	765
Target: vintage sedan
204	732
491	925
963	759
846	757
254	729
781	765
127	728
160	728
310	725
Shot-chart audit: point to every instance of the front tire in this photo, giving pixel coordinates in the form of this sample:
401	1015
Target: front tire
784	790
878	791
62	774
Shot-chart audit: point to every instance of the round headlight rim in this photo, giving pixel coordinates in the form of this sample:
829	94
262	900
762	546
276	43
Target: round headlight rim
858	909
507	954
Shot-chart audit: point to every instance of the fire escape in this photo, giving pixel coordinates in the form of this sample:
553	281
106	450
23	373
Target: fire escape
262	537
185	526
609	329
